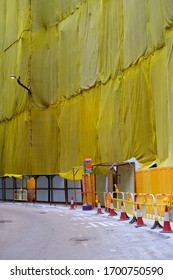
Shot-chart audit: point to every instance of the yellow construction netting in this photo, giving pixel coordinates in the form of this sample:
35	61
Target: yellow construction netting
17	176
74	174
101	80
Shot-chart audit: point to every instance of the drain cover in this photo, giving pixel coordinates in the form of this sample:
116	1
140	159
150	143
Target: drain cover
42	212
79	239
5	221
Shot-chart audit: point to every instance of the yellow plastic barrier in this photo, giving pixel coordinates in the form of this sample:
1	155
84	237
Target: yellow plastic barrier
146	202
162	200
107	199
129	203
117	200
152	207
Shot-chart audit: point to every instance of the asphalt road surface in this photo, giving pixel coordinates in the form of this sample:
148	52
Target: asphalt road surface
54	232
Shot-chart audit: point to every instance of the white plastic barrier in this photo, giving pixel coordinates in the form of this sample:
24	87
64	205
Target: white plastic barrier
20	195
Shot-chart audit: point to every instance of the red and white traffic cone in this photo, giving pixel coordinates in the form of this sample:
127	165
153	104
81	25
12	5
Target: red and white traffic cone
166	224
123	215
72	204
99	210
140	222
112	211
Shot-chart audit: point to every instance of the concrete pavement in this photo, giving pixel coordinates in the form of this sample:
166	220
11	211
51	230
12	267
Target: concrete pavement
45	232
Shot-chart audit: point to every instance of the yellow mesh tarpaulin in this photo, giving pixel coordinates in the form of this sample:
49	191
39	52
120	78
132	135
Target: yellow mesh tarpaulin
101	83
17	176
74	174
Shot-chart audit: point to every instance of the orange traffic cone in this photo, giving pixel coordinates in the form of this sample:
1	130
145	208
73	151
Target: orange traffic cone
112	211
99	210
140	222
166	224
123	215
72	204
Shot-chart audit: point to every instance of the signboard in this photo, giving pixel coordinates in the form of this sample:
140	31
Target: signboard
87	165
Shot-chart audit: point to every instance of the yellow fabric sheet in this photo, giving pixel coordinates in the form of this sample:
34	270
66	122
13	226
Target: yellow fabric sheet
74	174
17	176
101	80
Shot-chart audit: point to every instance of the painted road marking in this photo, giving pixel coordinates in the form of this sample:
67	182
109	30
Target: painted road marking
102	224
93	225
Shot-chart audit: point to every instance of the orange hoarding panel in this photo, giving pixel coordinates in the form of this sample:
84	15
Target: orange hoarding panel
155	180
